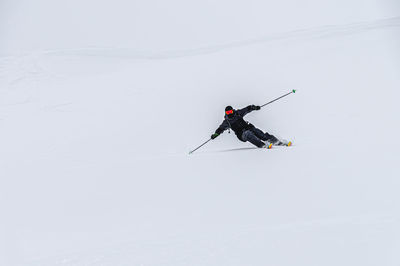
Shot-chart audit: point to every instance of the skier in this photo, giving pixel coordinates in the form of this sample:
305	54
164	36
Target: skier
246	131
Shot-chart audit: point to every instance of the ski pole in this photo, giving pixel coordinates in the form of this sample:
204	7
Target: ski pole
293	91
199	146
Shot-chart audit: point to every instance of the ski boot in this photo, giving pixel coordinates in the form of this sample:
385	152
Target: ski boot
267	145
283	142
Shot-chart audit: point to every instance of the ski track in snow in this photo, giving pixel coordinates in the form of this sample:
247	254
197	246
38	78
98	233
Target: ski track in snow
301	34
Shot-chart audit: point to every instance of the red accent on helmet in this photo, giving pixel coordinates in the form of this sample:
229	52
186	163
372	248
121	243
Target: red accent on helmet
229	112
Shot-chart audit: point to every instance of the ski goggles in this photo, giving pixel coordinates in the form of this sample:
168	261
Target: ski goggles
229	112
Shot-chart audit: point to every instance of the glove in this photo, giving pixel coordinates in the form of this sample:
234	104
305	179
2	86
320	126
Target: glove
213	136
255	107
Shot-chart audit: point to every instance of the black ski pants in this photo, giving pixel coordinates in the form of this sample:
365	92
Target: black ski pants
256	137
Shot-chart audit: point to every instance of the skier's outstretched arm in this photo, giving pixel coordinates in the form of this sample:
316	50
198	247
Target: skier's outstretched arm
224	126
248	109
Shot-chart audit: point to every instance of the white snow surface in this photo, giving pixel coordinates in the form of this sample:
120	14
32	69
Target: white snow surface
101	101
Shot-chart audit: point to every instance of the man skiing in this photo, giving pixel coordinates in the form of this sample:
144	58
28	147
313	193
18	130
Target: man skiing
246	131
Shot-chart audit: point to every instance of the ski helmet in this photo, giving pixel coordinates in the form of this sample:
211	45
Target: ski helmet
229	111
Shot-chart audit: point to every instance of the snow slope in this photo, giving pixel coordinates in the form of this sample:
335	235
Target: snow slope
94	135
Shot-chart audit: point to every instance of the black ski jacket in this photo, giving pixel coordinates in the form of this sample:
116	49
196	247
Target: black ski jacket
236	123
